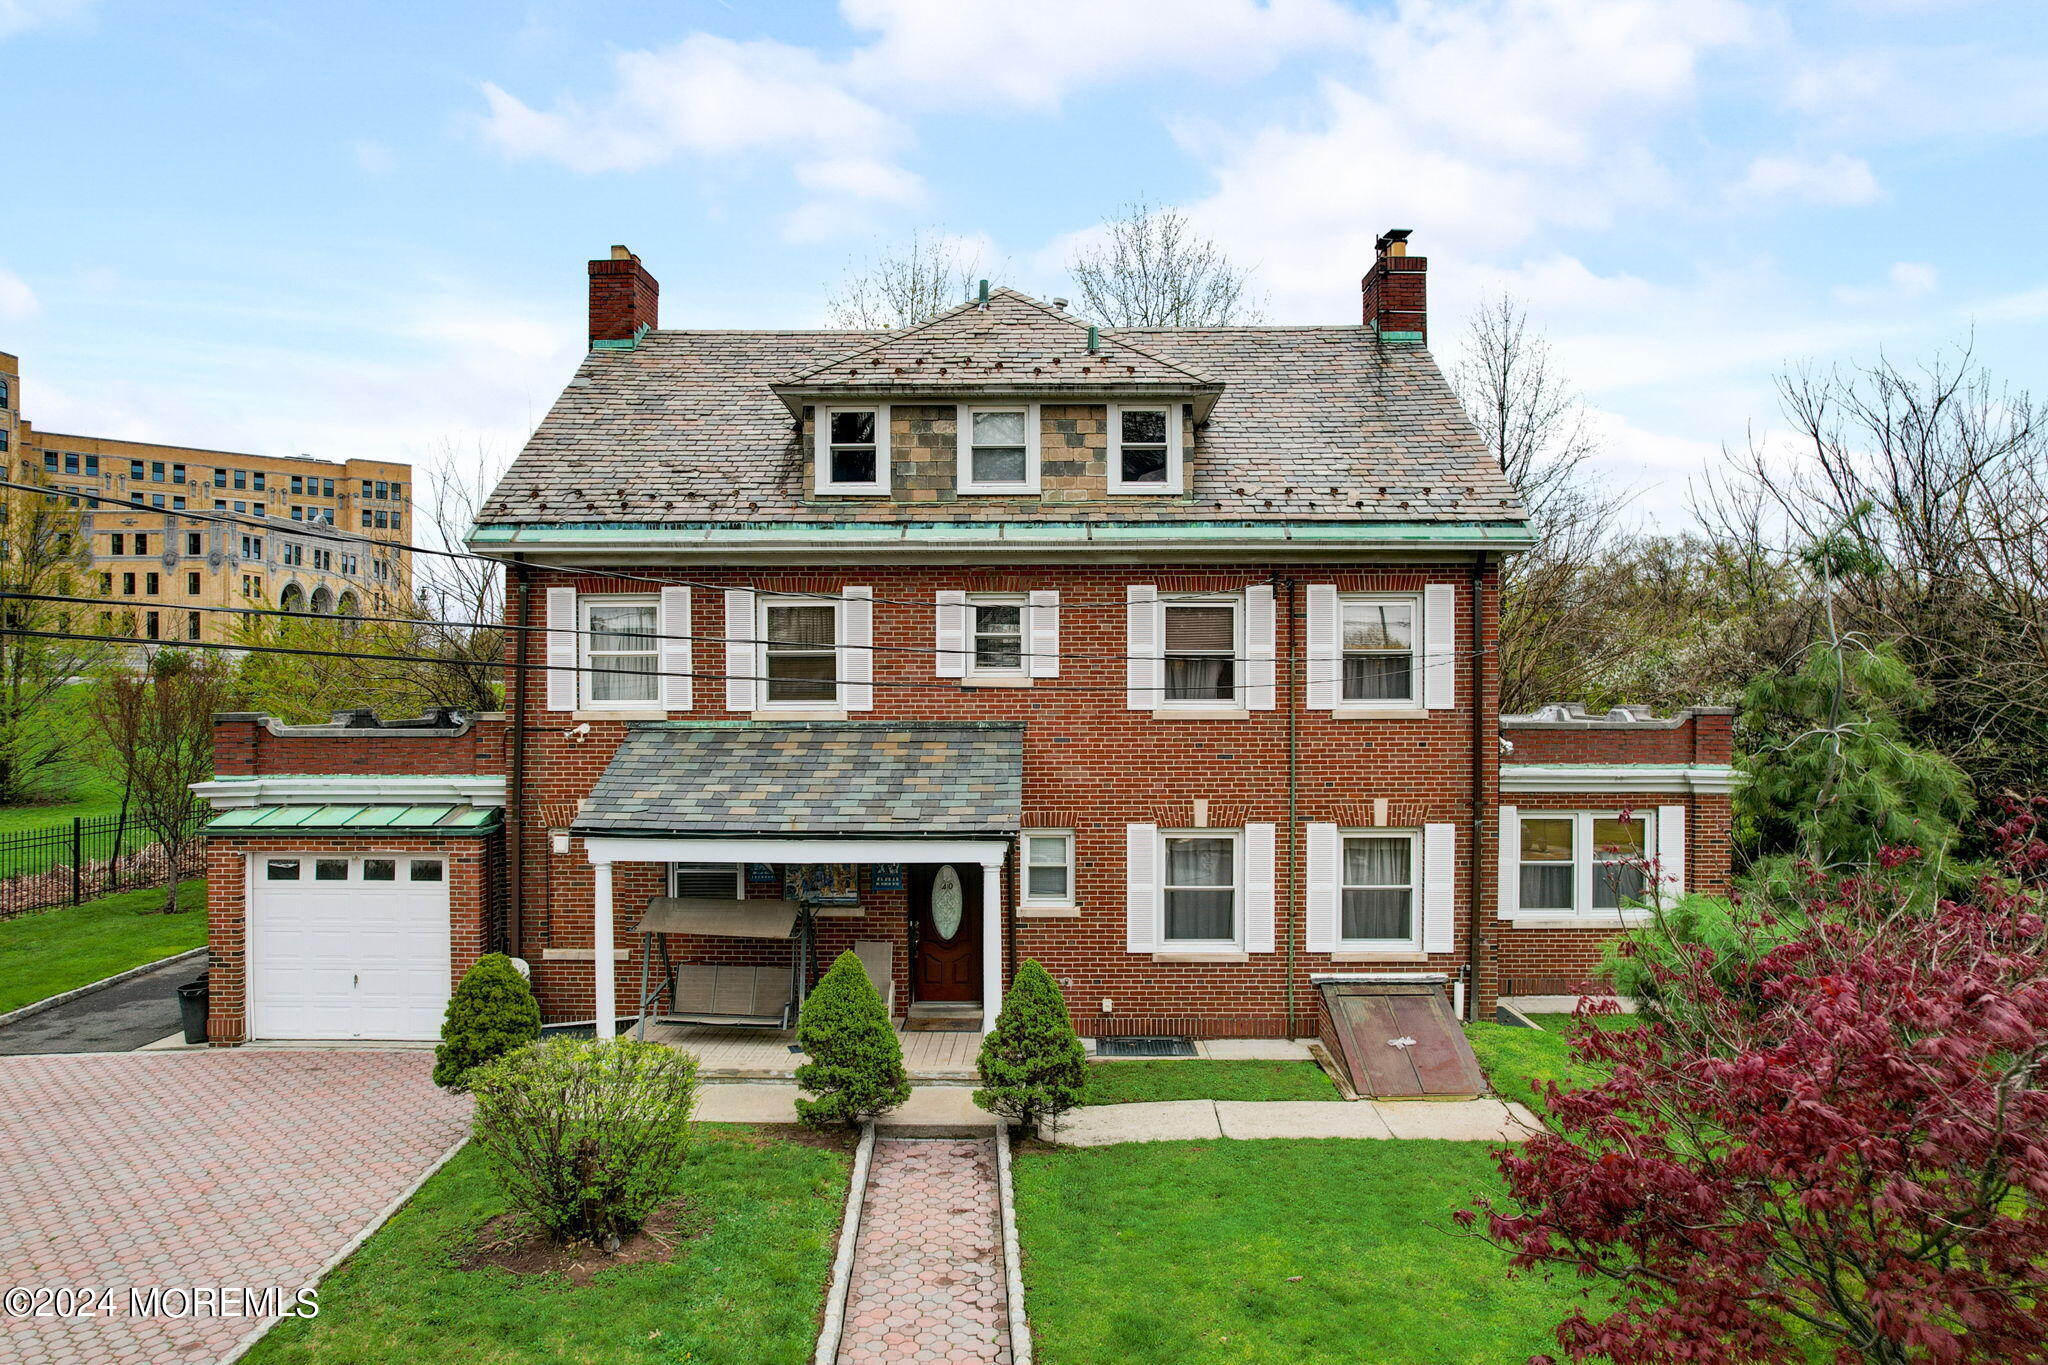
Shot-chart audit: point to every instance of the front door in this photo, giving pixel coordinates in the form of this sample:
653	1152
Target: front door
945	932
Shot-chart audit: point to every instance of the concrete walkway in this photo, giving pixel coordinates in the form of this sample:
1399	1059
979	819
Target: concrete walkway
928	1280
117	1018
947	1110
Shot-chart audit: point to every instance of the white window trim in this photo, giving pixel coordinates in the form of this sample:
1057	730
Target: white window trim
1410	944
821	453
586	679
1410	705
1024	897
739	877
837	701
1583	913
1231	707
963	449
1021	601
1181	946
1176	465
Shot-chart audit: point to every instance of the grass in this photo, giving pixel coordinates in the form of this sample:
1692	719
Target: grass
746	1291
1562	1023
1185	1253
50	951
1202	1078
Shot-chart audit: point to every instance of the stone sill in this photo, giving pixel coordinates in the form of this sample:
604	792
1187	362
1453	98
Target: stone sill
971	681
1608	922
1380	713
1049	912
1363	955
795	713
579	954
622	713
1201	957
1197	713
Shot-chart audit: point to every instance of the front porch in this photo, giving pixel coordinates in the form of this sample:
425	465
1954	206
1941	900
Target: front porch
749	1054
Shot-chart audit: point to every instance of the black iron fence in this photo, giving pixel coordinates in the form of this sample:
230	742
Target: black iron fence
92	856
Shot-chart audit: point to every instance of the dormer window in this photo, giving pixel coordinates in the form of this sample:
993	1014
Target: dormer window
853	451
999	449
1145	448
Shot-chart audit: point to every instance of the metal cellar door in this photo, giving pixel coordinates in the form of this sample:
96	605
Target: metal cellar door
1398	1040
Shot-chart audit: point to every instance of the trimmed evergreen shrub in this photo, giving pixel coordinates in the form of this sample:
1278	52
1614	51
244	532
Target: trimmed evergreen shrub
856	1063
492	1012
587	1137
1032	1066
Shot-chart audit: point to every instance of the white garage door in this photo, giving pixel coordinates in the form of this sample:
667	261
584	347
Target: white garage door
347	947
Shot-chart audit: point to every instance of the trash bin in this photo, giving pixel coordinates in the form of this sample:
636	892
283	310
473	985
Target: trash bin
192	1009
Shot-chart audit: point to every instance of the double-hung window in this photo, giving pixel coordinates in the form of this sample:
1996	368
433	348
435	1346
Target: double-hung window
800	651
853	450
1378	644
1578	862
1200	892
706	881
1379	890
997	625
1145	448
1048	867
998	450
621	655
1200	648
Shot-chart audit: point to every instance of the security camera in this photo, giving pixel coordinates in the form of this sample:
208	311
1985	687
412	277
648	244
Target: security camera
579	734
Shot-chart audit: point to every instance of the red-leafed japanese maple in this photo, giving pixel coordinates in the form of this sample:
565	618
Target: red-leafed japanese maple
1837	1149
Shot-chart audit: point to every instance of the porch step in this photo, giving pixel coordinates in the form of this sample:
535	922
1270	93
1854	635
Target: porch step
943	1016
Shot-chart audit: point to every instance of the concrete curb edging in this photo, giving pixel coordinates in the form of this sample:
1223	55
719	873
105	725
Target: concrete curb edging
842	1263
64	997
390	1211
1013	1260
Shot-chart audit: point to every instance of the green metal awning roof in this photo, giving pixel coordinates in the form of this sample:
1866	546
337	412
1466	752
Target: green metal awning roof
352	819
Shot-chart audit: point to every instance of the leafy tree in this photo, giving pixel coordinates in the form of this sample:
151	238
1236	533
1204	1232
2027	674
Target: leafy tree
856	1063
492	1012
1832	1151
1032	1066
43	553
1153	269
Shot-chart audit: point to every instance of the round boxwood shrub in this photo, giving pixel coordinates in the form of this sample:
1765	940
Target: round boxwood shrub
856	1063
1032	1065
587	1137
492	1012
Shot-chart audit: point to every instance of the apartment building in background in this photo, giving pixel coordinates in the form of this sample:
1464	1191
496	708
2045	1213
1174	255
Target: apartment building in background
319	536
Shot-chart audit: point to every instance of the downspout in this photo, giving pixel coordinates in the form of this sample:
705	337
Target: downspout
1472	939
515	781
1293	787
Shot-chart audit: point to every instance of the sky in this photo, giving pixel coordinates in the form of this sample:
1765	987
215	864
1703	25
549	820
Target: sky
359	229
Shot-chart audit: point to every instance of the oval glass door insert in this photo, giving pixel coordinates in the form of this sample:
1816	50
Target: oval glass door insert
946	903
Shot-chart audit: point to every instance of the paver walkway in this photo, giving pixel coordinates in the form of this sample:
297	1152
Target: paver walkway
928	1267
180	1169
1482	1120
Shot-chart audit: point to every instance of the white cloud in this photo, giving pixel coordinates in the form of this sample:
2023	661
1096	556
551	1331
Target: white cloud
18	302
19	16
1837	179
372	157
1904	282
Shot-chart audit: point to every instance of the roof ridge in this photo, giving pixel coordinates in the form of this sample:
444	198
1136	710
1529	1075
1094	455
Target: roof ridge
887	339
1061	316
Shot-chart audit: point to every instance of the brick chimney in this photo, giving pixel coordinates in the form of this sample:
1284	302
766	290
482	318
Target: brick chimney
624	298
1396	290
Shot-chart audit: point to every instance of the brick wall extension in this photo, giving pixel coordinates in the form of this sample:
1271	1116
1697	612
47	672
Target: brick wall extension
1705	735
244	746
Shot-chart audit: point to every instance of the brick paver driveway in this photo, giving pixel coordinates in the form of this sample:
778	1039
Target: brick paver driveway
201	1169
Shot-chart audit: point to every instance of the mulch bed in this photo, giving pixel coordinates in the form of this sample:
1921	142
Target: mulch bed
510	1242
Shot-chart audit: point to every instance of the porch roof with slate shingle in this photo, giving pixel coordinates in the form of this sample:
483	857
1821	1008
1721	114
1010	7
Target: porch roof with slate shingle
895	778
1309	425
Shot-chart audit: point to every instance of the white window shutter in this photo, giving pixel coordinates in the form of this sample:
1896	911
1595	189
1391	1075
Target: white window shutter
676	651
1258	888
562	651
1671	851
1141	888
1510	845
1259	630
1045	633
1325	853
1144	664
951	634
857	657
1325	658
741	654
1439	887
1439	646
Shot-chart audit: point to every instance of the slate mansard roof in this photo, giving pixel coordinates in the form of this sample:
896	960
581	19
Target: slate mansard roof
1298	424
846	778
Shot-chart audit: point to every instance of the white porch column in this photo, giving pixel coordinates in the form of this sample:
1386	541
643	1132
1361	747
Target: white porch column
992	944
601	965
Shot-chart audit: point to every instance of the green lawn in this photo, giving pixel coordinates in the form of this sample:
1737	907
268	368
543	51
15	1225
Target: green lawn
1515	1059
1562	1023
1273	1251
49	951
90	793
1201	1078
747	1290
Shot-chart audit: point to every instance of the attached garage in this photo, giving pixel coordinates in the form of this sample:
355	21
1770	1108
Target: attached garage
347	947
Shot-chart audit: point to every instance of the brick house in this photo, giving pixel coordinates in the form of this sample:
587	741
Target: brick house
1160	656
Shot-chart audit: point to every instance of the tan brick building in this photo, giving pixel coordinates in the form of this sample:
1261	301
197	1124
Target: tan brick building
320	535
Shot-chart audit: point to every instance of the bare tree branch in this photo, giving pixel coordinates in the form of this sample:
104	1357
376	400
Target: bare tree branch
1155	270
905	285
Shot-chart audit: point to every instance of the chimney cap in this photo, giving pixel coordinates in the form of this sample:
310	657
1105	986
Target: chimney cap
1393	242
620	253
